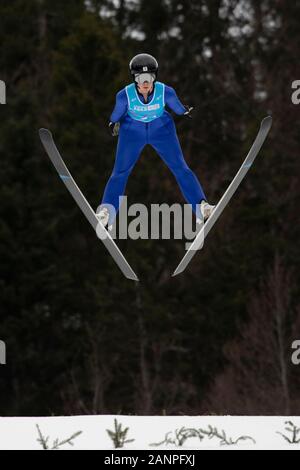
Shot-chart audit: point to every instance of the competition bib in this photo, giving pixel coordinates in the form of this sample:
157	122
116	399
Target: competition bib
146	112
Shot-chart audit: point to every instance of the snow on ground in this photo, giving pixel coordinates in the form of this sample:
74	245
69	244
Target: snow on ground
21	433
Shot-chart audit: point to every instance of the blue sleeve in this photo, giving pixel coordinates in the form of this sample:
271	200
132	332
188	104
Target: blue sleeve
120	106
172	100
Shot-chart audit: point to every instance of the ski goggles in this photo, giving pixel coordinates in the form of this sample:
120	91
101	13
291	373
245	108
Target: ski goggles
140	78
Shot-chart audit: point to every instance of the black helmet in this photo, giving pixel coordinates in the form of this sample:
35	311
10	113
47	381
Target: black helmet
143	63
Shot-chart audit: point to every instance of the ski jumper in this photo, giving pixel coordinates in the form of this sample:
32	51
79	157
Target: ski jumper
143	123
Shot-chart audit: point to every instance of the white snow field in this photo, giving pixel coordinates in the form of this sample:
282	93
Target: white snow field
260	432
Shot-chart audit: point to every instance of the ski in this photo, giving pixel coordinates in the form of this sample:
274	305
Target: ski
197	244
55	157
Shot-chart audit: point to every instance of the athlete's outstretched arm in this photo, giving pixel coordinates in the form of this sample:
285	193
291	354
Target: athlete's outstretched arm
173	102
120	106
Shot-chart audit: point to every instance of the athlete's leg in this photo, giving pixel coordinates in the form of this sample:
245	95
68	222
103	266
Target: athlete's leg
167	145
130	145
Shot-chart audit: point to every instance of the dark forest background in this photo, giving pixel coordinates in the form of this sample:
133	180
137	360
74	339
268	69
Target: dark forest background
81	338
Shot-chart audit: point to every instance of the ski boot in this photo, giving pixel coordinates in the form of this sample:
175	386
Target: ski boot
206	211
102	215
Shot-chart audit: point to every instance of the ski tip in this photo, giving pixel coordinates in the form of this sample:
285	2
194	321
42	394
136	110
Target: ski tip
133	277
267	121
45	133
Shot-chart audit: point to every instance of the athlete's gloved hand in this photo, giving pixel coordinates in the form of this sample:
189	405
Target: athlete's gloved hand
114	128
189	109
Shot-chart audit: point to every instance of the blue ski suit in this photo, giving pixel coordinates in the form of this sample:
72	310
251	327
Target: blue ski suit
156	128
